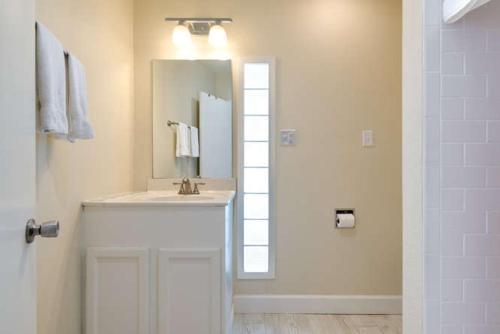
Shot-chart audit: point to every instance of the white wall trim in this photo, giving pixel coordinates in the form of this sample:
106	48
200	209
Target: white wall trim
319	304
413	195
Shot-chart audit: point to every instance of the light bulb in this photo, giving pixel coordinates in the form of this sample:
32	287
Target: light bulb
217	36
181	37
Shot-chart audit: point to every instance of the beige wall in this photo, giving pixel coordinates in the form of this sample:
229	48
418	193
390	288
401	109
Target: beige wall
338	72
100	34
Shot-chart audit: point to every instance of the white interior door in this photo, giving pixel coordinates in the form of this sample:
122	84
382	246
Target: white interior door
17	166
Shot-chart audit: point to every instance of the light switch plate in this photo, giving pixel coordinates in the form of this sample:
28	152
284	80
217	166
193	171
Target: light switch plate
367	138
288	137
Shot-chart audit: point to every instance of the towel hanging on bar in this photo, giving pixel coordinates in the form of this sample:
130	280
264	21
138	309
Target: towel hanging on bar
51	82
183	141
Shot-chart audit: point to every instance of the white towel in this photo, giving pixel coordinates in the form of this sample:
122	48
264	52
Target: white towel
195	143
183	144
79	125
51	83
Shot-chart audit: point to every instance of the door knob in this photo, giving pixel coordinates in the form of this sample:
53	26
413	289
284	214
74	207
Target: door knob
49	229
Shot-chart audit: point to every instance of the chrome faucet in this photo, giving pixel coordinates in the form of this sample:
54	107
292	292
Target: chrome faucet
186	189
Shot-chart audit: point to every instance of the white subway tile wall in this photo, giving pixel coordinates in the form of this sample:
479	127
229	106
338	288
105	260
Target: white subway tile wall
462	171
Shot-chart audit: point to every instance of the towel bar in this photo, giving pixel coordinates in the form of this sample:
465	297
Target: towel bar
170	123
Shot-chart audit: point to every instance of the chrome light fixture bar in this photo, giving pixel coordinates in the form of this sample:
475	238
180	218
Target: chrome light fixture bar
199	25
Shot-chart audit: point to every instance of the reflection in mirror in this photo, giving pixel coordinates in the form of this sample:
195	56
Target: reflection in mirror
192	118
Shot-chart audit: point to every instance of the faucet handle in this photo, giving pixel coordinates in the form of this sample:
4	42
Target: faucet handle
196	191
181	188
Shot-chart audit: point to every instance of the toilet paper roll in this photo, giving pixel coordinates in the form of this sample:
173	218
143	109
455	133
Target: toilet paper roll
345	220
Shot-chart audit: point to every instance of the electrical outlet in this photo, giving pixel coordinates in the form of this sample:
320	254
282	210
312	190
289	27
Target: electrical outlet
367	138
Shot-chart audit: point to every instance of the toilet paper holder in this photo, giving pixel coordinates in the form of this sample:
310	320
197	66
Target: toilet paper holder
342	212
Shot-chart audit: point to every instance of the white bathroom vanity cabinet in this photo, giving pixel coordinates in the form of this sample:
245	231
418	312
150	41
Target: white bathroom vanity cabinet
159	263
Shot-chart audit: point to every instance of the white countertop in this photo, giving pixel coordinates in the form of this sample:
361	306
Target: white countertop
164	198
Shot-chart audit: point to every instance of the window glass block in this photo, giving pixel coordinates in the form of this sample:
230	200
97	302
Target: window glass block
256	154
256	76
256	232
256	206
256	128
256	259
256	160
256	180
256	102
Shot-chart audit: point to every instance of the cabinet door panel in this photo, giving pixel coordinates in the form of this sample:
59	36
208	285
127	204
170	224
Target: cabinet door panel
189	291
117	291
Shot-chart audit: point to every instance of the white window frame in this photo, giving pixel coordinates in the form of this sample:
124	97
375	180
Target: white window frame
270	274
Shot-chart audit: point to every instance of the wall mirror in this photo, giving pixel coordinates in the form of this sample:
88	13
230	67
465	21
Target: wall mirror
192	118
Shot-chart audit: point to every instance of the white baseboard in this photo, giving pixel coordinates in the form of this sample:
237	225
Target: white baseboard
318	304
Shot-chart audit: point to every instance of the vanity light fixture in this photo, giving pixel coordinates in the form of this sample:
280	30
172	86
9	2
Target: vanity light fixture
211	26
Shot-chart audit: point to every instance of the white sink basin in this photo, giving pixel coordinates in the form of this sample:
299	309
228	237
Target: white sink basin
182	198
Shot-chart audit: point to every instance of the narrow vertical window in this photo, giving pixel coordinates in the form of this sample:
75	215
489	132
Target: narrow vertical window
255	209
